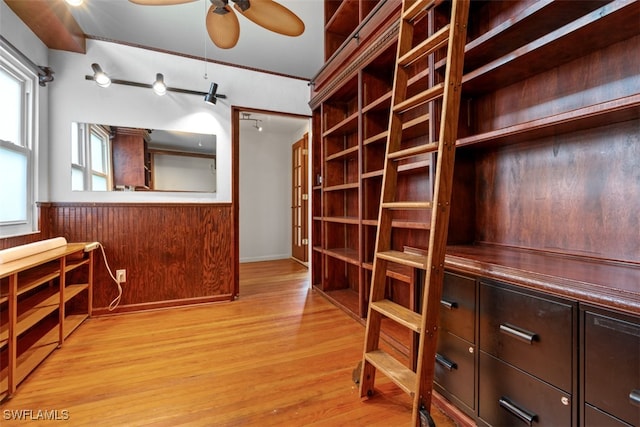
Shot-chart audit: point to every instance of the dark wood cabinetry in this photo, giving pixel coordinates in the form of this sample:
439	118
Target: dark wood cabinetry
544	203
610	368
131	159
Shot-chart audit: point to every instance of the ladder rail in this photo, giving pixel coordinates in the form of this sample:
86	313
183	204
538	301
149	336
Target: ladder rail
424	324
442	196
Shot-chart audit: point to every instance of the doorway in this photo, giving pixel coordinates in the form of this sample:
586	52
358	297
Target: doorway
262	180
299	200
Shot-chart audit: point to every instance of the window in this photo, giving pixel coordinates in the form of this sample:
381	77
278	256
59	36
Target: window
90	158
17	169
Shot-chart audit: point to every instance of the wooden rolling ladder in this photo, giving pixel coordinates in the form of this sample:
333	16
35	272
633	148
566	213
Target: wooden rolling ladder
418	382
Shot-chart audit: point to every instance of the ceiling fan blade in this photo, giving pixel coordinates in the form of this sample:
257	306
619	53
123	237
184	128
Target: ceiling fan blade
223	29
274	17
160	2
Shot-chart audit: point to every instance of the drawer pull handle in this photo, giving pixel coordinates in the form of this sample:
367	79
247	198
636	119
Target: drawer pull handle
520	334
449	305
523	414
634	397
446	363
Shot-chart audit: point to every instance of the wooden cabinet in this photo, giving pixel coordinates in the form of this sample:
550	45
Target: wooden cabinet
610	362
526	338
455	368
131	159
43	298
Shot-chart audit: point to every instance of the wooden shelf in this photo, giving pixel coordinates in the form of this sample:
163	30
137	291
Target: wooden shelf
344	155
72	322
348	186
33	310
584	35
347	299
341	219
343	254
31	358
348	125
345	19
617	110
537	20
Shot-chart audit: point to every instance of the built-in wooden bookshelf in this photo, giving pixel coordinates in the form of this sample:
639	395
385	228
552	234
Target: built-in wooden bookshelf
545	189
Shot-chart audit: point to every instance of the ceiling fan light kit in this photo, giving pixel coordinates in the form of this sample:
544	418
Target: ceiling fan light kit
159	86
222	23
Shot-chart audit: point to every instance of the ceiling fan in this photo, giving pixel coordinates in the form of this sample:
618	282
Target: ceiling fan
222	23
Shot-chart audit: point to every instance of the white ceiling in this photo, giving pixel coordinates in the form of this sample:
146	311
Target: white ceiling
181	29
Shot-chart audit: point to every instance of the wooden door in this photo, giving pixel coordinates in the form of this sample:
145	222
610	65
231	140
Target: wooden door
299	200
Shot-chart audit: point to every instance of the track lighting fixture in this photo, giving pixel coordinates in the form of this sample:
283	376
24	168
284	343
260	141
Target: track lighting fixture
247	116
159	87
210	97
100	76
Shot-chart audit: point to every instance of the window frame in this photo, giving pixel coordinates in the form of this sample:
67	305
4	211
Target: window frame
81	137
20	70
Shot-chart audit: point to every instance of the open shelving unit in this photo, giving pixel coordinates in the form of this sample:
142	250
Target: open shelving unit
44	297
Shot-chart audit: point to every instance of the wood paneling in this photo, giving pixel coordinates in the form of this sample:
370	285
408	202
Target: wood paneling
52	22
173	254
578	194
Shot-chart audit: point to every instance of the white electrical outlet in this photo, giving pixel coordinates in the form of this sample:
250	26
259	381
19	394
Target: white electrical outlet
121	276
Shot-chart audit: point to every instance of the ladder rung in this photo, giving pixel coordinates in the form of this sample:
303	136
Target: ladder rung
413	151
407	205
419	99
399	314
402	376
417	8
404	258
436	41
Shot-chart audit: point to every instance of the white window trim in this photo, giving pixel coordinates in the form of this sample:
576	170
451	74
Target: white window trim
16	66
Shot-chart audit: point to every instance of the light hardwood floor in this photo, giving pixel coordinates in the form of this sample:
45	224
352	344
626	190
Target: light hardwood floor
279	355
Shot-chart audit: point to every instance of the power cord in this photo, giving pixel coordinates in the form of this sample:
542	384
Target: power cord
117	299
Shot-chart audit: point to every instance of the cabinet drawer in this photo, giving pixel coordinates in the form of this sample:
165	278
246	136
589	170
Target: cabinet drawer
510	397
612	366
455	368
530	331
458	306
594	417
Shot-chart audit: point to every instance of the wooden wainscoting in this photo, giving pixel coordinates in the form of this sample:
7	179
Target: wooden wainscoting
174	254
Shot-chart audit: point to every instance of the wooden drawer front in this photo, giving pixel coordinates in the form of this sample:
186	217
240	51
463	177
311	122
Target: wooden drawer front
612	366
530	332
510	397
594	417
458	306
455	368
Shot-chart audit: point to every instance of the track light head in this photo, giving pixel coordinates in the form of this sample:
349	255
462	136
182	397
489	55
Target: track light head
99	76
210	97
159	87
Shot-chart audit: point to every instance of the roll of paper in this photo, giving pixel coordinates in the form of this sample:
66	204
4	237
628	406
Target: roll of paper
17	252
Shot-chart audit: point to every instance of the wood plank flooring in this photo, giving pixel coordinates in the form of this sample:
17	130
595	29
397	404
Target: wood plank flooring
279	355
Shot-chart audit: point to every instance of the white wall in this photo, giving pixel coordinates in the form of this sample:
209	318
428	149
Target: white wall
180	173
73	98
265	194
21	37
